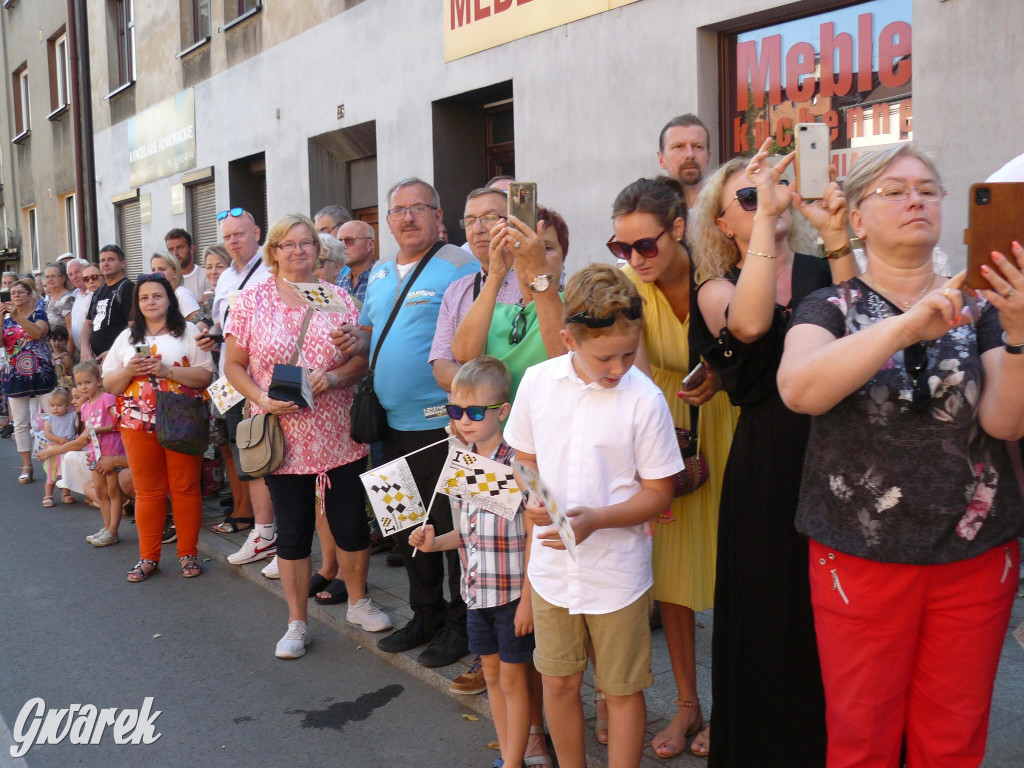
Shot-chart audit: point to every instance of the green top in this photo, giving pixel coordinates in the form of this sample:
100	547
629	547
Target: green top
518	357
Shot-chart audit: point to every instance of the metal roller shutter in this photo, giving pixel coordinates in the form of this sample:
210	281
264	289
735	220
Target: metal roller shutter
203	217
129	236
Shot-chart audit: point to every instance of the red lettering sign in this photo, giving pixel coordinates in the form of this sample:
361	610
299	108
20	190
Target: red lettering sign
460	12
480	13
893	45
830	43
759	75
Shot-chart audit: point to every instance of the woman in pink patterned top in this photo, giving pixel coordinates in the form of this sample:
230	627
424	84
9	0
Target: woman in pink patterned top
321	460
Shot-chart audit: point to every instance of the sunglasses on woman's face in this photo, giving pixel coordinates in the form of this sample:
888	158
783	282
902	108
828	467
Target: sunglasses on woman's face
647	247
747	197
474	412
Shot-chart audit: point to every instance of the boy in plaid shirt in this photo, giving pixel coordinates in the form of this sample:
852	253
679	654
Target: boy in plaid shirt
494	553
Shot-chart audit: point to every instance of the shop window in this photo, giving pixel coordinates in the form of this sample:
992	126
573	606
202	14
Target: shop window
22	106
849	68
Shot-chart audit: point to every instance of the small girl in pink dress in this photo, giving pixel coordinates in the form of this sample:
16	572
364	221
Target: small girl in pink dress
99	417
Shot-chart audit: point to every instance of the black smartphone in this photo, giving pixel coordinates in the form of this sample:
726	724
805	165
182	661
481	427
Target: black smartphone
5	297
695	378
217	337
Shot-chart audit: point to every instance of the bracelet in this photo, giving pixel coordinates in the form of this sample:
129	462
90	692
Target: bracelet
1013	349
763	255
845	250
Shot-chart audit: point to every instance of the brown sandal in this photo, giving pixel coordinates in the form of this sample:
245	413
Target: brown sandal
140	572
67	497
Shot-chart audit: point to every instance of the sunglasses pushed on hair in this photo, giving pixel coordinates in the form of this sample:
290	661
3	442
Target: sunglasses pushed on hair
647	247
633	312
235	212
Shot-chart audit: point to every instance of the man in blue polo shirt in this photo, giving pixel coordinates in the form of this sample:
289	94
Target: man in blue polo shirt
405	385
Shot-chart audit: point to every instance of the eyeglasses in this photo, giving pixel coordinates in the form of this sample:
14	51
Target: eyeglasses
350	241
488	220
150	276
18	294
289	247
633	312
475	412
647	247
747	197
90	278
899	193
320	263
915	359
236	212
519	323
331	230
420	209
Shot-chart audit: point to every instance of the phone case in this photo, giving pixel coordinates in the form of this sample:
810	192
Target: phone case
812	160
522	202
992	225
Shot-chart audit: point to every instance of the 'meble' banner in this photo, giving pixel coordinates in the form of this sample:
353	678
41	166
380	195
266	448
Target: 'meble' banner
471	26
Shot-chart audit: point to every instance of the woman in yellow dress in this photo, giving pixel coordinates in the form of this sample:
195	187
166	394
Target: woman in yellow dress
650	222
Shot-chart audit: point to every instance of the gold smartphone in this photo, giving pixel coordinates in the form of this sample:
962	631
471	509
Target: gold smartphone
522	202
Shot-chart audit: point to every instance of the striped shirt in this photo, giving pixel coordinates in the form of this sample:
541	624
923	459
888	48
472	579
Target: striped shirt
492	550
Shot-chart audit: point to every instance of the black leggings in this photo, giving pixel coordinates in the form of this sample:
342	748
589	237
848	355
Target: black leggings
294	498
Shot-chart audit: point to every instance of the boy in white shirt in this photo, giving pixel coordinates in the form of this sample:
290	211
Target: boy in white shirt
602	438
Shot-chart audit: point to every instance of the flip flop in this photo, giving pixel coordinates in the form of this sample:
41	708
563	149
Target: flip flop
317	584
337	591
230	524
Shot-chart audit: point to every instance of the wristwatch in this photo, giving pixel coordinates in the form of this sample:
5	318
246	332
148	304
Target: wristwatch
1013	349
540	283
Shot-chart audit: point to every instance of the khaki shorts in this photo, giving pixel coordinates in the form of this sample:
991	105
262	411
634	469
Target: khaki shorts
621	640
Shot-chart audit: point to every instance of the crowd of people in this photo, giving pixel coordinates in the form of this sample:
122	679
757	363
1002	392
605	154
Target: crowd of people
823	449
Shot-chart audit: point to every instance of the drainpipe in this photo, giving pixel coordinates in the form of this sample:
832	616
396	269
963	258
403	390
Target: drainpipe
78	35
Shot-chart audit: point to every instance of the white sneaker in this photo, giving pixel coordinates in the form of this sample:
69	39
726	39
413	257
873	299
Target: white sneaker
255	548
367	615
272	571
293	644
92	536
104	538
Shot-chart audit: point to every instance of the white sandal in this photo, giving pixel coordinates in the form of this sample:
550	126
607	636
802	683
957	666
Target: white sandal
26	475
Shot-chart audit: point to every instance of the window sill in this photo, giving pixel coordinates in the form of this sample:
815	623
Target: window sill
22	137
239	19
58	113
119	90
193	48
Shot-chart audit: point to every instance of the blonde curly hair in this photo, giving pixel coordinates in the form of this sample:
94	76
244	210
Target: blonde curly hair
713	253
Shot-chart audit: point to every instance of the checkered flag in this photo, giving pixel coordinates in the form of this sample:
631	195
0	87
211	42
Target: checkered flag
484	482
393	495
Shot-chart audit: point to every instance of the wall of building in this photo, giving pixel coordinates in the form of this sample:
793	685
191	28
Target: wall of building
41	168
590	98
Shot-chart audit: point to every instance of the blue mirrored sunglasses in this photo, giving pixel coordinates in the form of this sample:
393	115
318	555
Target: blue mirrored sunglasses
232	212
475	412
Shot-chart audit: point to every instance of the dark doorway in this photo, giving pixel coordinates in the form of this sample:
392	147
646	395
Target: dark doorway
474	140
247	185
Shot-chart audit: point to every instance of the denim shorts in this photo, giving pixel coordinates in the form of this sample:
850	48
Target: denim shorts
493	630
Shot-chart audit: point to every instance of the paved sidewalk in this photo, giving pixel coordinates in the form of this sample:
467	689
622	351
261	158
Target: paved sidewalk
388	588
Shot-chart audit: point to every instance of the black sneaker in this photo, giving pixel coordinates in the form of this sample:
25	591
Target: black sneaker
7	430
408	637
170	533
446	648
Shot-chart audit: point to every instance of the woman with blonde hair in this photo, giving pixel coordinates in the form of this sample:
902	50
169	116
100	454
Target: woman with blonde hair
766	684
273	324
167	265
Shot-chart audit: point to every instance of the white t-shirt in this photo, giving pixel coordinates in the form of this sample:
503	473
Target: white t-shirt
196	281
229	280
186	301
592	446
169	349
78	310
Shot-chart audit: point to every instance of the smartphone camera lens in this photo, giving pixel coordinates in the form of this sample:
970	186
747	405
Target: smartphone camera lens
982	196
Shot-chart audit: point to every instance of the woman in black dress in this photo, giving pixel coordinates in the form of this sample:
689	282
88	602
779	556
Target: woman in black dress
769	708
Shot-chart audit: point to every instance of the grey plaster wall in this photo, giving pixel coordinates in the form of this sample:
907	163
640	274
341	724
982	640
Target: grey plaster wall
590	98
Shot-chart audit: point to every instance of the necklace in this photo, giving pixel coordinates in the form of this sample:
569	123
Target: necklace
878	287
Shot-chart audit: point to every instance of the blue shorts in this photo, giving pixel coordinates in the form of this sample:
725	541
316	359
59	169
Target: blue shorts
493	630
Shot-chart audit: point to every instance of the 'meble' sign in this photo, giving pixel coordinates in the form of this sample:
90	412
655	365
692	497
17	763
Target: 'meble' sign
831	83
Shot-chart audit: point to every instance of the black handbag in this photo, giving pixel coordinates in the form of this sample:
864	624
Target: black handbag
182	422
367	419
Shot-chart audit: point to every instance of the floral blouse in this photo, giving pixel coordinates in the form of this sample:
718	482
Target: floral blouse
896	481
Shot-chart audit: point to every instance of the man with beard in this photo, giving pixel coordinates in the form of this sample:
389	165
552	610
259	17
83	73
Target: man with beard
685	153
